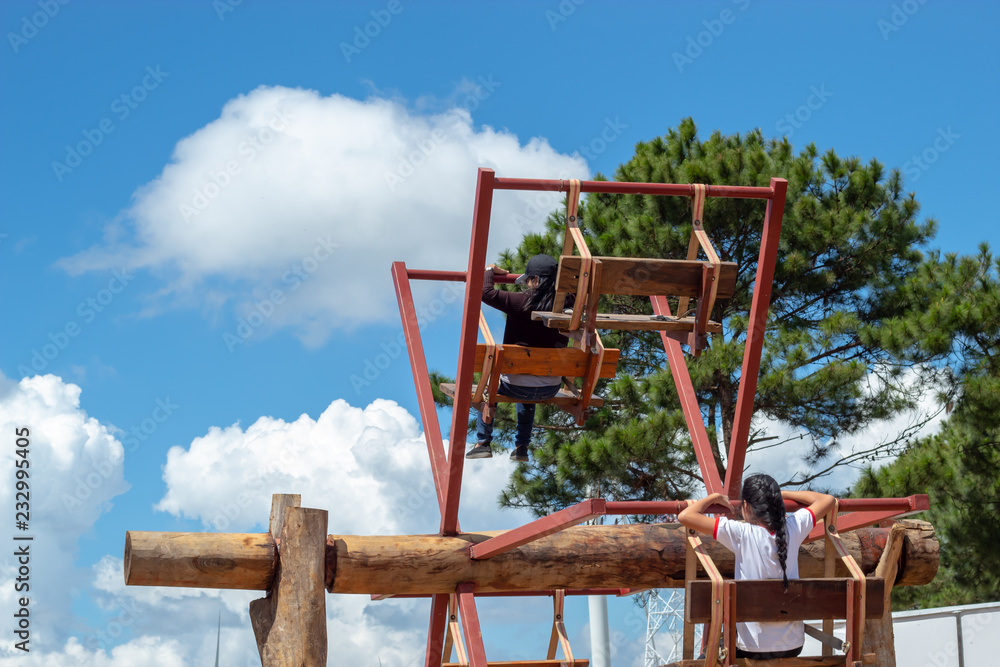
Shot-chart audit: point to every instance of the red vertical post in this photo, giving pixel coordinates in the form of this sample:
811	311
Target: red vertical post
467	350
436	630
689	403
770	237
421	378
470	626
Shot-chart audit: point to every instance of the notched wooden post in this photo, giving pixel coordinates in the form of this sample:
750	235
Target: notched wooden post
879	637
290	623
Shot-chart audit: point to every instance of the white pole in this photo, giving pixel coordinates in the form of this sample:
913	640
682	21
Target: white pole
600	643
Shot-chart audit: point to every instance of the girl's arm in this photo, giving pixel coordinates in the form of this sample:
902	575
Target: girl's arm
819	504
693	516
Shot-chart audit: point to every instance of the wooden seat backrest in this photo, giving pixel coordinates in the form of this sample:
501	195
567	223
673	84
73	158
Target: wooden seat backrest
764	600
554	361
647	277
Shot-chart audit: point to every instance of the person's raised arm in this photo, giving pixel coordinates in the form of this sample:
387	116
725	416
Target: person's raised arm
693	516
819	504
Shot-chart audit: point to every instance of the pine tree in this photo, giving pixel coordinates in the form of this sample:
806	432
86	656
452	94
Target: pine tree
850	237
952	325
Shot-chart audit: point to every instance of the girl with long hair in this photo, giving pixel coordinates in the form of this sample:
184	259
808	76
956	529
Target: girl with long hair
766	544
540	278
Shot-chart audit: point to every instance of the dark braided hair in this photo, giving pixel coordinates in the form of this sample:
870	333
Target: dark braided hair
763	495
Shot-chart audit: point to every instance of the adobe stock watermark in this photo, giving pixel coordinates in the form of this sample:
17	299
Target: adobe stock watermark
381	18
31	25
714	28
142	431
804	112
918	164
410	162
121	107
223	7
375	365
87	310
900	14
221	178
263	309
565	9
105	639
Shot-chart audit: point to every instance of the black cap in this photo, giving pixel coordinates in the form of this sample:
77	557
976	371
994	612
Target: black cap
543	266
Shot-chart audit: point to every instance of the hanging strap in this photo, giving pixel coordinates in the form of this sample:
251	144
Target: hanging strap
454	635
699	239
574	237
715	623
559	629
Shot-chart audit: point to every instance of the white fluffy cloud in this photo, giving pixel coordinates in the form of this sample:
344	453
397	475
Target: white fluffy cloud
74	471
305	201
784	462
368	467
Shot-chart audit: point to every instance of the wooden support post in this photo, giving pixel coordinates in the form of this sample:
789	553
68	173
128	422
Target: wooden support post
879	638
290	623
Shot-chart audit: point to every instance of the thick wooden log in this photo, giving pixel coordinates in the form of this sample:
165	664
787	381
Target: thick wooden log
626	556
629	556
200	560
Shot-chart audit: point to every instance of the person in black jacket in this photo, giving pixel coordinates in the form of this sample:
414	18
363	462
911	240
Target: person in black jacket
540	278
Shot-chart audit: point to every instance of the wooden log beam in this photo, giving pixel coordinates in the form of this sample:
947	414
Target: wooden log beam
242	561
623	556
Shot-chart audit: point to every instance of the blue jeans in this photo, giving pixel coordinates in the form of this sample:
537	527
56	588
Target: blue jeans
525	412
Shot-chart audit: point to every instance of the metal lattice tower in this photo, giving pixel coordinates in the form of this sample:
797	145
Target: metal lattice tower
666	614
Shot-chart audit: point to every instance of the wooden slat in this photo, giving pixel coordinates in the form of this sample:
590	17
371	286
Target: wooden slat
629	322
764	600
557	361
563	399
647	277
531	663
784	662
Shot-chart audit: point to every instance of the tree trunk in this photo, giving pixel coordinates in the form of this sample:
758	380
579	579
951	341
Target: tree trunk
617	556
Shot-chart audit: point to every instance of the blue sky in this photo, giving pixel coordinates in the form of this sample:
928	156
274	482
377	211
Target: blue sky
333	153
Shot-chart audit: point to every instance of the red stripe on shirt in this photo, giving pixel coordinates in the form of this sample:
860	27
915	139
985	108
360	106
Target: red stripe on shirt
715	531
812	515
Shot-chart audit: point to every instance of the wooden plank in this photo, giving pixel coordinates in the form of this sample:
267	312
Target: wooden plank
764	600
784	662
621	321
563	399
561	361
531	663
647	277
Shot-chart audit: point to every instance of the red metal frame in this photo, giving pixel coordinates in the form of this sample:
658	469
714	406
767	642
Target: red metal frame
447	465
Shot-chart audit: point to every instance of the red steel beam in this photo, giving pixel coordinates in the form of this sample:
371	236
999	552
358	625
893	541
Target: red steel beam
435	632
855	520
517	594
770	237
424	274
689	403
553	523
626	188
467	350
470	625
421	379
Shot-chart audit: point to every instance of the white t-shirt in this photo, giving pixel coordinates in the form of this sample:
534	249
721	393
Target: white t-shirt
757	558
